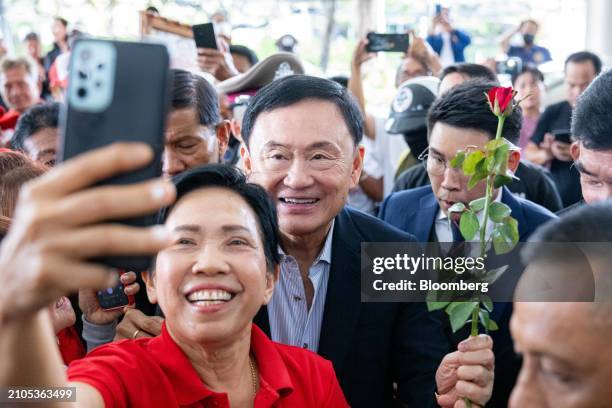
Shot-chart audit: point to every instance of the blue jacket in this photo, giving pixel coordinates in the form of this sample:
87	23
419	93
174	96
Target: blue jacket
415	211
459	40
374	345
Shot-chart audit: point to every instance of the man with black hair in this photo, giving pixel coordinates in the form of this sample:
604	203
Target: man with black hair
301	143
36	133
462	120
456	74
244	57
195	133
565	343
549	145
534	182
592	150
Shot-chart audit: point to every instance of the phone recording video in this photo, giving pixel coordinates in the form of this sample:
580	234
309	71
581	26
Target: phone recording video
378	42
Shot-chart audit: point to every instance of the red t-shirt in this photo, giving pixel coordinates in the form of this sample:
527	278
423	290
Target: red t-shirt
9	119
70	345
156	373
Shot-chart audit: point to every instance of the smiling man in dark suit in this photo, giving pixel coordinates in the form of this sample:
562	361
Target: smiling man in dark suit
301	138
462	120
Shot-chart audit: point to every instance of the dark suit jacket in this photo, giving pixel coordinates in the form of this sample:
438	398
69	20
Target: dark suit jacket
415	211
374	345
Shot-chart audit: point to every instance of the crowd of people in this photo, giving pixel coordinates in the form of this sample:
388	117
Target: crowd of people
272	180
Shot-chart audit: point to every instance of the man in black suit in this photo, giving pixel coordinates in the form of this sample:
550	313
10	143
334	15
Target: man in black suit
301	138
461	120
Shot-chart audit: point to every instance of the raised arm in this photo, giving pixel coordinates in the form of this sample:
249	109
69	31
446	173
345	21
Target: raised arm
55	230
355	85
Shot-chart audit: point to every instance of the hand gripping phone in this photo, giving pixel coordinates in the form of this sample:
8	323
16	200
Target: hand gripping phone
114	298
117	91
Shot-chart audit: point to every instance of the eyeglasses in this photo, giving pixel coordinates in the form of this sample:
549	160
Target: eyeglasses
437	165
434	165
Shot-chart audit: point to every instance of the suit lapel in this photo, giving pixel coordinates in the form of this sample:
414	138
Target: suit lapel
343	299
425	217
517	212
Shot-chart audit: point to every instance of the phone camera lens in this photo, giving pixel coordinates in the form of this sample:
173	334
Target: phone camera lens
85	55
82	92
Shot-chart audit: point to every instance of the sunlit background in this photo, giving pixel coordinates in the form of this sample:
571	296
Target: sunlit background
326	30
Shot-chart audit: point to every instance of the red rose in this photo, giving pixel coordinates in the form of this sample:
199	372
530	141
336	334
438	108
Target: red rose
500	100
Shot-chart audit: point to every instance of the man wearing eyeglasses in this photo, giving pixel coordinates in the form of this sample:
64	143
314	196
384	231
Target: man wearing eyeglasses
592	150
461	120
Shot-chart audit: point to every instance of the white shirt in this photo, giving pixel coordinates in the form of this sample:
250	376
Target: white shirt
357	197
388	151
447	57
443	230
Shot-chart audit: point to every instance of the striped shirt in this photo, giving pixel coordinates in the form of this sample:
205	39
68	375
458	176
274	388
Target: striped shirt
290	320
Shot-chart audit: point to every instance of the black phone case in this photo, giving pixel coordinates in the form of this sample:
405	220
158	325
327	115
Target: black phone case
204	36
387	42
115	299
137	113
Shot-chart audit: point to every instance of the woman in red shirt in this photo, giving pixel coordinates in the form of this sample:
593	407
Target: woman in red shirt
217	272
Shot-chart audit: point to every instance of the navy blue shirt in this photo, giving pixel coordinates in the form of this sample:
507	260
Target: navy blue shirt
534	55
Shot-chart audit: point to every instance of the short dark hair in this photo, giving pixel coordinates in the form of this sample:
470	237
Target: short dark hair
293	89
341	79
246	52
584	56
38	117
471	71
193	91
588	223
233	179
31	36
534	72
62	20
465	106
591	121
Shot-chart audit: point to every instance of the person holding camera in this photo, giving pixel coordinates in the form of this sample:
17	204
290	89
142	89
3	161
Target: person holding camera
447	41
550	143
530	53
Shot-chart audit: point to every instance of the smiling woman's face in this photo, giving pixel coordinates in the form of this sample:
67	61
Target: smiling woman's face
211	281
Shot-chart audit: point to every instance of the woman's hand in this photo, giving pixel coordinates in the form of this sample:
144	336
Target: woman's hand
58	225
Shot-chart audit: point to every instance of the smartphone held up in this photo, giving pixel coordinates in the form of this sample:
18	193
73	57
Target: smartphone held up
117	91
378	42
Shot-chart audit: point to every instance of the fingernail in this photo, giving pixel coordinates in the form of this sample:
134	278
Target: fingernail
160	191
160	233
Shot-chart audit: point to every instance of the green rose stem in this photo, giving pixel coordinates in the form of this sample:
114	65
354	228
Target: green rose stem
483	227
483	235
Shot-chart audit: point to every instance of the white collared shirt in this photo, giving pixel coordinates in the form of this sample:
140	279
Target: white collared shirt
444	233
